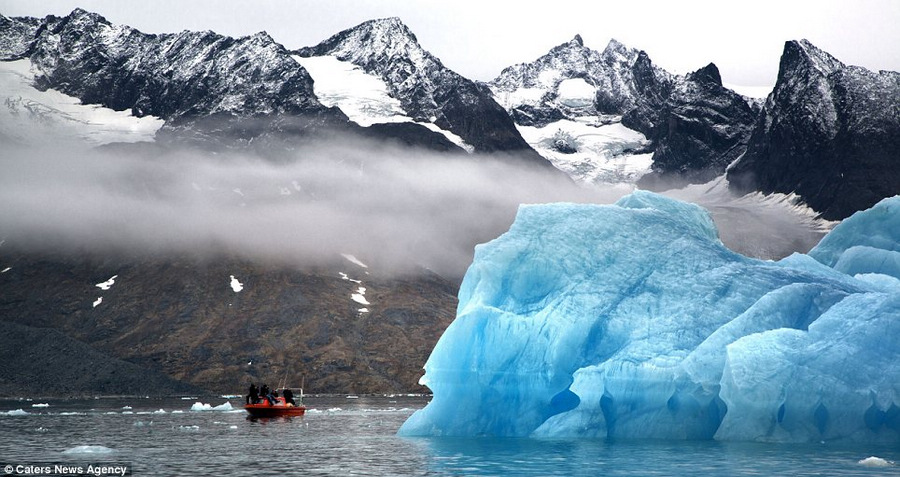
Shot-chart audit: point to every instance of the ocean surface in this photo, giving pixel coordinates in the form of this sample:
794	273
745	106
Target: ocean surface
344	436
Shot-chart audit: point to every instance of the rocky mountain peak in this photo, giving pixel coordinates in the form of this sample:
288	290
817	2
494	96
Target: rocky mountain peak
828	132
577	40
707	74
372	41
802	57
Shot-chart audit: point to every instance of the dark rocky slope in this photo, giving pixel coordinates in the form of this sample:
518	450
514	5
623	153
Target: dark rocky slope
828	132
41	362
180	318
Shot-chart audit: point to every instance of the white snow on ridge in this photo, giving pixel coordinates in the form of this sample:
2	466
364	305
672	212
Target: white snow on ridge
30	116
601	150
361	96
354	260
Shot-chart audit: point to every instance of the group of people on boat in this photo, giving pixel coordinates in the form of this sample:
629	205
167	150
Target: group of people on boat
257	395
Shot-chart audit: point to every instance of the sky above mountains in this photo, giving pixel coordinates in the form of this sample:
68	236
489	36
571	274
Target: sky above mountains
478	39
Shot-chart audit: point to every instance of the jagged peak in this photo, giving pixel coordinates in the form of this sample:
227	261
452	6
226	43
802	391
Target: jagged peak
618	52
80	13
707	74
378	35
577	40
802	53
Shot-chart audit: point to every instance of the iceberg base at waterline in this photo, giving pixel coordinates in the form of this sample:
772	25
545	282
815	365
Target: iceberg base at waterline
633	320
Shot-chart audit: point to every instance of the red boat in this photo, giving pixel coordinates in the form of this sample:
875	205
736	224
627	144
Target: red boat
279	409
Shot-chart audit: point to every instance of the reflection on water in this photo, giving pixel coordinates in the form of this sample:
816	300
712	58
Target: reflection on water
340	436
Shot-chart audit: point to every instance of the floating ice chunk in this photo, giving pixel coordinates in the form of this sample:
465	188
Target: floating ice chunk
6	269
43	404
89	449
634	321
17	412
126	407
108	283
363	310
199	406
873	461
98	301
236	285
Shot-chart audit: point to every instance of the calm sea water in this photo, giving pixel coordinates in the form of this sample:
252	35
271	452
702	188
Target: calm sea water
344	436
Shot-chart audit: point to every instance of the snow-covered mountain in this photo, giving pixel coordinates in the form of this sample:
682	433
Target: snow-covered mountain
427	91
566	102
829	132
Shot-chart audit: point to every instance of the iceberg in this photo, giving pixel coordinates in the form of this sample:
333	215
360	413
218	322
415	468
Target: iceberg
633	320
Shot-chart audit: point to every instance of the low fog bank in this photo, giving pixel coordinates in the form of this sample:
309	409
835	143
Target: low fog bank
397	209
394	208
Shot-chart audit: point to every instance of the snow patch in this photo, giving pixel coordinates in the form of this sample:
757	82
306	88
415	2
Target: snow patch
30	116
597	150
576	93
235	284
353	259
360	296
363	97
107	284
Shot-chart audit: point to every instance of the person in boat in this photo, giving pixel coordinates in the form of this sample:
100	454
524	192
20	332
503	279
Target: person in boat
253	394
288	397
266	394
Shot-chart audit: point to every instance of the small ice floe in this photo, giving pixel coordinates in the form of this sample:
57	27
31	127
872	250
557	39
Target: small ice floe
159	411
41	429
107	284
98	301
6	269
352	259
199	406
363	310
142	424
873	461
189	398
89	450
126	407
17	412
42	404
235	284
232	427
189	428
230	396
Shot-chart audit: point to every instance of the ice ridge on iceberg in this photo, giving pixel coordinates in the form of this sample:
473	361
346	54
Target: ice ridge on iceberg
634	321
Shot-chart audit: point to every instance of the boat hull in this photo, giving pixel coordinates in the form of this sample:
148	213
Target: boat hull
266	410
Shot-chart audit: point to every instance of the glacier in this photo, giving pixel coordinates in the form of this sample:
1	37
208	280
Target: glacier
633	320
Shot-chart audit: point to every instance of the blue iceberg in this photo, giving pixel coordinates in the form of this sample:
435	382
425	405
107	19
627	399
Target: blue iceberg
634	321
